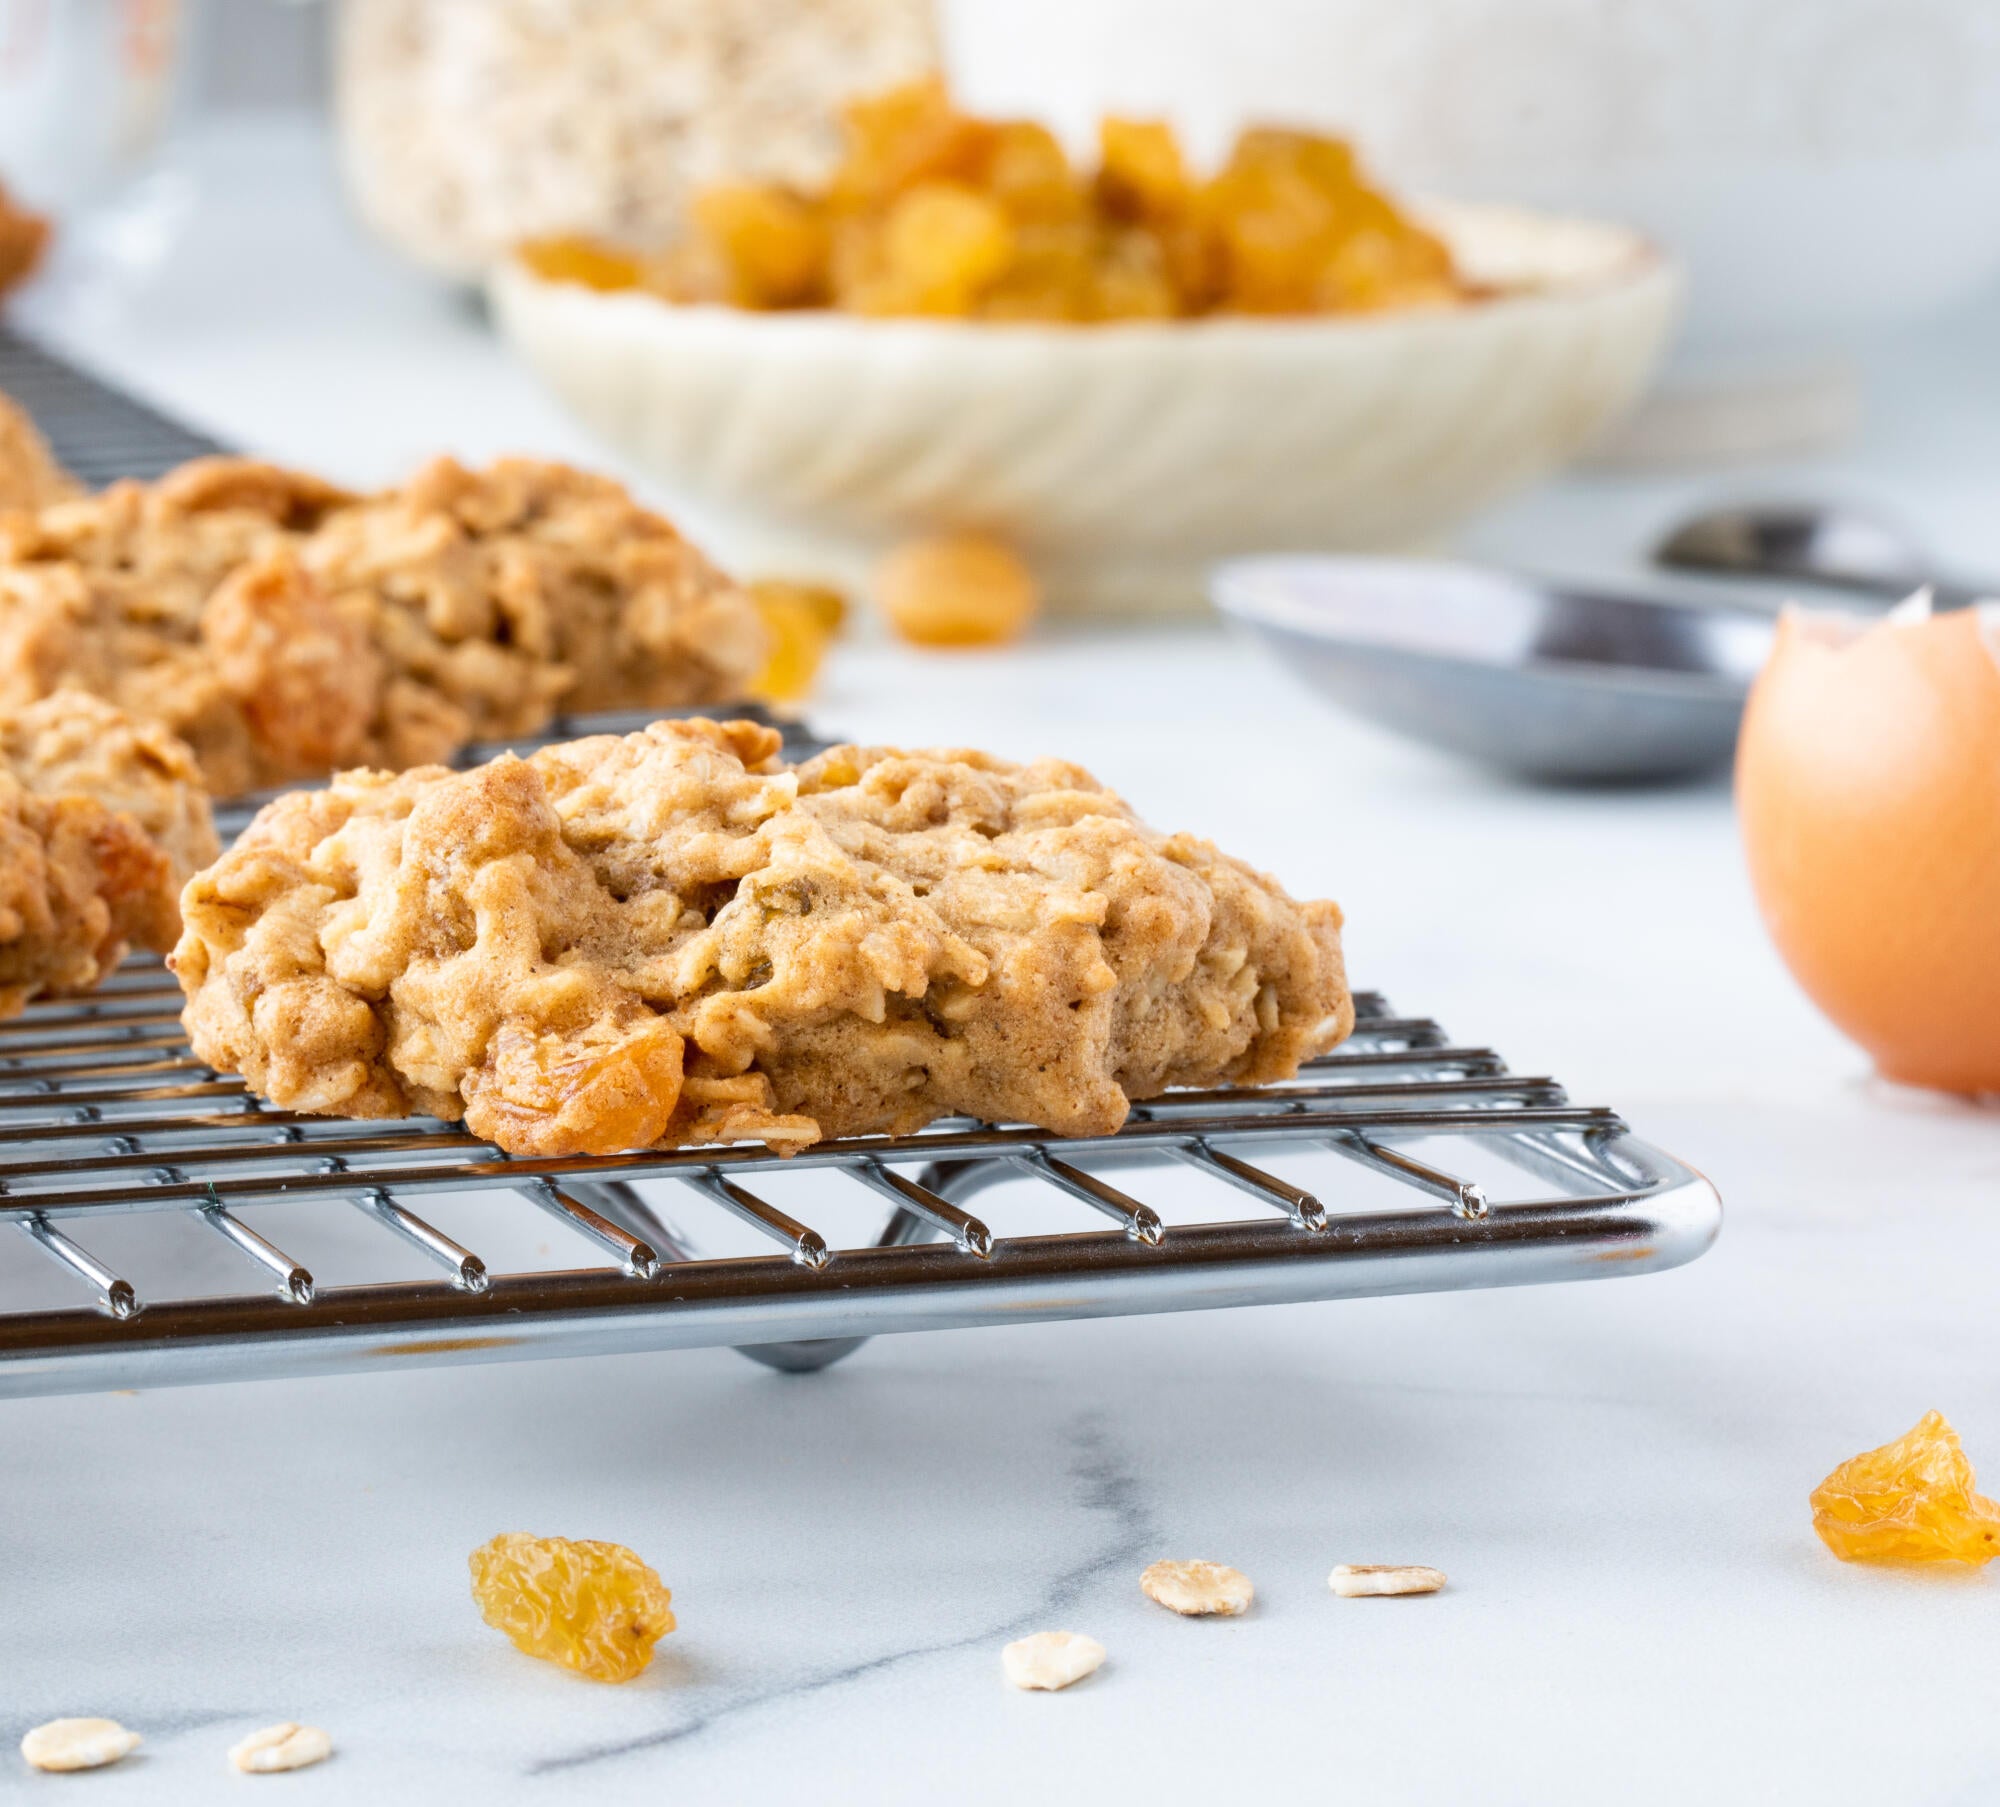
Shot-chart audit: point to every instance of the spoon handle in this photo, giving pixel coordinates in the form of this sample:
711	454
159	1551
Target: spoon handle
1947	593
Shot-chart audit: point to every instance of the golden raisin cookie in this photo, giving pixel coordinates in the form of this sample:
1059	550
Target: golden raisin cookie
285	628
671	937
30	477
102	820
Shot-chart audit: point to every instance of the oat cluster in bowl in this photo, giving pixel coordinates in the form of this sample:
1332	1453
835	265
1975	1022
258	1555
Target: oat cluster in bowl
934	212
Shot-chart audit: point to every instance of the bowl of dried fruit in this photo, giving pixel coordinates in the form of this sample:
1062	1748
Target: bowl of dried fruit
1126	372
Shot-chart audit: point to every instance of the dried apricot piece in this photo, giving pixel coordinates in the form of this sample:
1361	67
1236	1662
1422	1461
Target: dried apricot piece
1909	1501
590	1606
956	590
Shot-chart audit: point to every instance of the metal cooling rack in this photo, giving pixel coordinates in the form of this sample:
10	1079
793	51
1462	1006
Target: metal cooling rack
104	1113
98	432
1383	1169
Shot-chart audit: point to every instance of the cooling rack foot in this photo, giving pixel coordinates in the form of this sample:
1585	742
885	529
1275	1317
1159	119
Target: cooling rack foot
802	1358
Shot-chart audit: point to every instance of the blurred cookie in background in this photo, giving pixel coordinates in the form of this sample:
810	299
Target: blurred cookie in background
30	477
24	237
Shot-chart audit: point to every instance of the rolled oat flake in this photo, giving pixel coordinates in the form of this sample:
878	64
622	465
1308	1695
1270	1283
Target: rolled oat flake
287	1745
65	1744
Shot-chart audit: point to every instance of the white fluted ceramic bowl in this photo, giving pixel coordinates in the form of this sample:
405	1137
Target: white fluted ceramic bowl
1122	460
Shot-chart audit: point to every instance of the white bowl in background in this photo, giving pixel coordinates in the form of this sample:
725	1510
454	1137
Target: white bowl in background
1821	167
1121	460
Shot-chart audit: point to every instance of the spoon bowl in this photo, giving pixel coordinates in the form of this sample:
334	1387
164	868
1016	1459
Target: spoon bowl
1545	680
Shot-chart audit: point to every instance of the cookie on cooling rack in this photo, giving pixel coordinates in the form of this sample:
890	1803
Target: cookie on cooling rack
102	820
286	629
30	477
671	937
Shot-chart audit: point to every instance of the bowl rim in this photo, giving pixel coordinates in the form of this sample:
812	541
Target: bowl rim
1632	262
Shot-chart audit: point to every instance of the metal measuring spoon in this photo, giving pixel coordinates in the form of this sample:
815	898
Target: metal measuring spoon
1545	679
1832	545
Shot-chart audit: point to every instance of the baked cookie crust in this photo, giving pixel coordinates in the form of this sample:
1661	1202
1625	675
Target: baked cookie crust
671	937
102	820
286	628
30	477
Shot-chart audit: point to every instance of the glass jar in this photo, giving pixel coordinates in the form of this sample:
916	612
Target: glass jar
84	93
469	125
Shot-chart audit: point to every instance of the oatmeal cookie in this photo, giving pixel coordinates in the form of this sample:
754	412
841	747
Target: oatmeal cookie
30	477
182	602
509	591
285	628
102	820
24	236
671	937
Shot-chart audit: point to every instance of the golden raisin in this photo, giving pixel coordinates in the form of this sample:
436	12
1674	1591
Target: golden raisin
1028	174
827	604
1141	174
1909	1501
956	590
593	1607
772	243
582	261
1052	276
901	137
933	212
944	243
802	618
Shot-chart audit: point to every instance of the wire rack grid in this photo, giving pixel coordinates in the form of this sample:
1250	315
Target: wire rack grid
104	1113
98	432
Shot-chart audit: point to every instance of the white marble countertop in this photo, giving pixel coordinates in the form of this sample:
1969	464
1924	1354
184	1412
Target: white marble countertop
1615	1475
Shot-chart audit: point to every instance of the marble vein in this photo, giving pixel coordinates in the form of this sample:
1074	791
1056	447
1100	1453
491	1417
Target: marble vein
1105	1485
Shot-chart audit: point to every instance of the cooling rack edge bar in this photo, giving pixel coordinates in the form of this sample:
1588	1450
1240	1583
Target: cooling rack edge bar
870	1292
